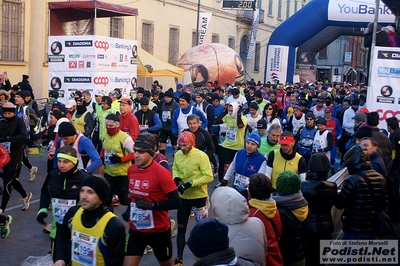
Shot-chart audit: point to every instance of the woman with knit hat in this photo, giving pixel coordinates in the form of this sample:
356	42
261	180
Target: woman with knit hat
293	209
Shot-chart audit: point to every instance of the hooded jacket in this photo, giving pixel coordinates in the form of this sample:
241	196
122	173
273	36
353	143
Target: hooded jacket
295	215
355	197
267	212
246	234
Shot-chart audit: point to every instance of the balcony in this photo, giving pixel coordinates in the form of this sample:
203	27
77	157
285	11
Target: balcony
246	16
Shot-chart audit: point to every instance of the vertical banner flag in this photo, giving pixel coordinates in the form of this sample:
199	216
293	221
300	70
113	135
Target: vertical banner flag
384	95
204	22
254	28
277	60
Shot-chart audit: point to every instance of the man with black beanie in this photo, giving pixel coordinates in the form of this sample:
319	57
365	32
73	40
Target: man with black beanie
153	193
91	227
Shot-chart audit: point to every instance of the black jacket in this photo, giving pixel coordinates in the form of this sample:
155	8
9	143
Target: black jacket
355	197
14	131
320	195
385	147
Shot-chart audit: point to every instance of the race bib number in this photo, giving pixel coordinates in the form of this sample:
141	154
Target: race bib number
166	115
107	155
231	134
241	181
84	248
143	127
306	142
60	208
6	146
141	219
317	145
200	213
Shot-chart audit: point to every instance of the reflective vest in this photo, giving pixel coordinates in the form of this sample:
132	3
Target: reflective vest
79	123
85	248
280	165
114	145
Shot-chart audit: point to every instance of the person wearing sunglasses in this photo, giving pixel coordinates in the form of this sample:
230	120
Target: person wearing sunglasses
270	114
153	193
305	137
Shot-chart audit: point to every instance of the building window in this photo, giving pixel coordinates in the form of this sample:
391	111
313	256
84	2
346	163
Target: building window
296	7
288	9
117	27
173	53
215	38
194	38
231	42
270	6
257	55
323	53
12	36
259	4
280	9
148	37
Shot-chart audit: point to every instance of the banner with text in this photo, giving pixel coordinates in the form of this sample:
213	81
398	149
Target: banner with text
254	28
277	62
204	22
384	95
77	63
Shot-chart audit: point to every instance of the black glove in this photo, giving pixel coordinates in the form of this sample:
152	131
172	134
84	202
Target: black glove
144	204
175	135
183	187
125	215
177	181
40	217
240	109
115	159
224	183
225	110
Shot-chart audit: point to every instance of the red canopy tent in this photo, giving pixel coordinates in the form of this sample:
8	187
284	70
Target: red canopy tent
77	17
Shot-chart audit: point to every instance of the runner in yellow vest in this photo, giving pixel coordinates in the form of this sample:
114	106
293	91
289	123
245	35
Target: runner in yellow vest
90	234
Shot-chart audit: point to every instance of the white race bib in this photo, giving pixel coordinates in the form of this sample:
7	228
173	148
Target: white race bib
107	155
84	248
231	134
241	181
60	208
142	219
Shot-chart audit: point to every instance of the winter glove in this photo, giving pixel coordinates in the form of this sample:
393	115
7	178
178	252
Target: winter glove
41	215
144	204
177	181
183	187
115	159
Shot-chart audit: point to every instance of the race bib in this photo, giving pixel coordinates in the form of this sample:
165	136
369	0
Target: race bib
60	208
143	127
200	213
83	248
317	145
142	219
107	155
241	181
166	115
306	142
6	146
231	134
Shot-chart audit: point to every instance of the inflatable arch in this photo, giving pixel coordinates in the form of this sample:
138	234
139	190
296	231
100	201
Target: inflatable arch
309	25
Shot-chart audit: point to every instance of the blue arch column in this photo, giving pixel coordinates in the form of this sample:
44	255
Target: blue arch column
307	22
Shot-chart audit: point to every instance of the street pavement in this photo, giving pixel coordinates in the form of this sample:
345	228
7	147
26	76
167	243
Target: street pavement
26	237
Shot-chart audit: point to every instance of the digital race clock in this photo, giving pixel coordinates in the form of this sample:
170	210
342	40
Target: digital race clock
238	4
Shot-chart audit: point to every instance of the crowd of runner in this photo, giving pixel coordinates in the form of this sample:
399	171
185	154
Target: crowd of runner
271	146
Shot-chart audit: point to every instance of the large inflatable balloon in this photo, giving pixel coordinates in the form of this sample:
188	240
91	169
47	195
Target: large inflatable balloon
209	62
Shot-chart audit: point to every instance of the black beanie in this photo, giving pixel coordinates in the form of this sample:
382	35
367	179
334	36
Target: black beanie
186	96
207	237
66	129
56	113
21	94
146	142
107	100
99	184
363	132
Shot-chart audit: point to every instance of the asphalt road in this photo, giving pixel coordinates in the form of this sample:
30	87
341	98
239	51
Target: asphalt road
26	237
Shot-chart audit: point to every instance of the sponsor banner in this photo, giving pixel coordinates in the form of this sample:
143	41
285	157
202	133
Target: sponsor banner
91	53
383	252
254	28
277	60
384	96
204	22
356	11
